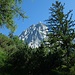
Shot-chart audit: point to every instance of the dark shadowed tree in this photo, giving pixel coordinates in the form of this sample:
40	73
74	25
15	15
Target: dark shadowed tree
61	33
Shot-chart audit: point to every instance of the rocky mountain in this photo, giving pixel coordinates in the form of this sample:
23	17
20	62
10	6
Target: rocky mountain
34	35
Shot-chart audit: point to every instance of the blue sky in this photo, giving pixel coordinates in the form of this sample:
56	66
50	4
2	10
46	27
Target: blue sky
37	10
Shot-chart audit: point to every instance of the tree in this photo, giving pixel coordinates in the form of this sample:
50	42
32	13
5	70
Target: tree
3	57
61	33
9	9
14	55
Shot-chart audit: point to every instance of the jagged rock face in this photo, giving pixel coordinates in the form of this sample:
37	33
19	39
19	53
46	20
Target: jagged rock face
34	35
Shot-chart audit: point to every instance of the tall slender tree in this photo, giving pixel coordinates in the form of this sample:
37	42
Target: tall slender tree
61	32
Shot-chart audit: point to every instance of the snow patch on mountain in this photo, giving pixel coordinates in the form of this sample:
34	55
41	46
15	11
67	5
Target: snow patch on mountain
34	35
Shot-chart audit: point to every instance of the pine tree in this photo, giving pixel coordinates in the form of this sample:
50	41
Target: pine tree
61	32
9	9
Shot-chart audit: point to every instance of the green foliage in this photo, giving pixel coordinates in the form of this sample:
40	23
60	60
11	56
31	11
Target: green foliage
9	9
72	70
3	57
57	58
61	34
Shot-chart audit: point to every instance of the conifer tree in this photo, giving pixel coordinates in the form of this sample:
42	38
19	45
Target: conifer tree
9	9
61	32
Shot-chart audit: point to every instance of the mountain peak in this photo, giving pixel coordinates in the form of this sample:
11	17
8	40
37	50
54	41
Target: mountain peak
34	35
40	22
